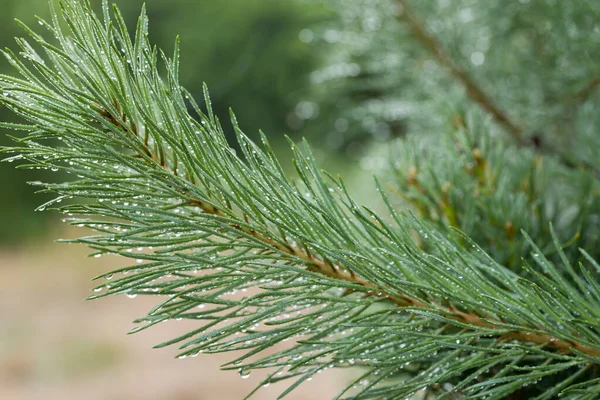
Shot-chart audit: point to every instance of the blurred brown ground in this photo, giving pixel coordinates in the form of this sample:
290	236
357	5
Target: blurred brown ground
55	345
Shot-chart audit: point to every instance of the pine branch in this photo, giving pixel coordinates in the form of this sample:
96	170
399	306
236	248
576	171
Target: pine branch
336	272
259	259
326	268
330	270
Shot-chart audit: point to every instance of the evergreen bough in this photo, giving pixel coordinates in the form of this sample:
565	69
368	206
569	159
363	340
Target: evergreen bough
259	258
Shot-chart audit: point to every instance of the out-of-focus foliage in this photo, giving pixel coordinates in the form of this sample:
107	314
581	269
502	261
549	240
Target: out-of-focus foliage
248	51
358	89
536	61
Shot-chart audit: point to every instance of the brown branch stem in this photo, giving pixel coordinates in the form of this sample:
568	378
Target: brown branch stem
326	268
587	91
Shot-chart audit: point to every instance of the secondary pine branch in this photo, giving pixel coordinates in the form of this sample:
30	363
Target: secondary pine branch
479	96
474	91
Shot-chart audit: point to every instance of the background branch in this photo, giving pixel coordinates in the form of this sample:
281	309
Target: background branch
474	91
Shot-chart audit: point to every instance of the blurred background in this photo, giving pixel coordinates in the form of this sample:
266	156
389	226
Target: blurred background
256	56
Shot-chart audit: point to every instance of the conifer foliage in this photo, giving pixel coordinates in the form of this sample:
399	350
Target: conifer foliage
257	258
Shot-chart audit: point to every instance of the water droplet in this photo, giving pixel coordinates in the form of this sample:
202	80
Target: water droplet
244	373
